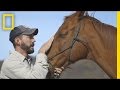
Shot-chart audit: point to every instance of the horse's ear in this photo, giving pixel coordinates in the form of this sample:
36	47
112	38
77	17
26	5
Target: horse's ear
86	13
80	13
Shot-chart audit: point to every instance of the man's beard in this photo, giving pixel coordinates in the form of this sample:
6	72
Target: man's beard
28	49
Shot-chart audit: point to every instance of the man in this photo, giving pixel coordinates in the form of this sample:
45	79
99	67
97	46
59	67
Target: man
19	65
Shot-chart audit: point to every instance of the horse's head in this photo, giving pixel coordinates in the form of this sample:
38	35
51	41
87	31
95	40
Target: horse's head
66	47
84	37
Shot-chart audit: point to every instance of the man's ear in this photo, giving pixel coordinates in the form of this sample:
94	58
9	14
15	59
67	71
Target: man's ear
17	41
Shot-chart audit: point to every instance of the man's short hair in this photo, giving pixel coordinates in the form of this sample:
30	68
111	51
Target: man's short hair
22	30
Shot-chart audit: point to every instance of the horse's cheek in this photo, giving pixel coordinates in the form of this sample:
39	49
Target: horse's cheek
78	52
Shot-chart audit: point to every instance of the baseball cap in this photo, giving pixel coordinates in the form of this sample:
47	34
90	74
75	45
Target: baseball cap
22	30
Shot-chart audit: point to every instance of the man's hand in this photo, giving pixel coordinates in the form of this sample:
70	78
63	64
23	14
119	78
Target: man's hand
58	71
45	47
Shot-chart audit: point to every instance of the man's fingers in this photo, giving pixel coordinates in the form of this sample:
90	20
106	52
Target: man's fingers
56	74
59	70
45	47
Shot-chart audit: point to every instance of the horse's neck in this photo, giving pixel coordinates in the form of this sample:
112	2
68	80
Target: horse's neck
103	43
104	54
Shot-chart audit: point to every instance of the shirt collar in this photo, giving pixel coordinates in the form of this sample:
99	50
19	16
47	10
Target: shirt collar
20	56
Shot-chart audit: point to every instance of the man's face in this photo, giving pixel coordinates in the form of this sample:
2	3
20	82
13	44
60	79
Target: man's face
27	43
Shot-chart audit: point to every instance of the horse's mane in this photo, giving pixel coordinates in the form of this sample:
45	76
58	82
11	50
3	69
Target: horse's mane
80	14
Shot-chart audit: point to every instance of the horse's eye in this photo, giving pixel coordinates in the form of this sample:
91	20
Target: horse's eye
63	34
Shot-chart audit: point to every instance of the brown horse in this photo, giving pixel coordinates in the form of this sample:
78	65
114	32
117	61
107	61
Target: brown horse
84	37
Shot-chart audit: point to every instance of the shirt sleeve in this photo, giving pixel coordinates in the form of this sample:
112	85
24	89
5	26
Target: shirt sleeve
21	71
